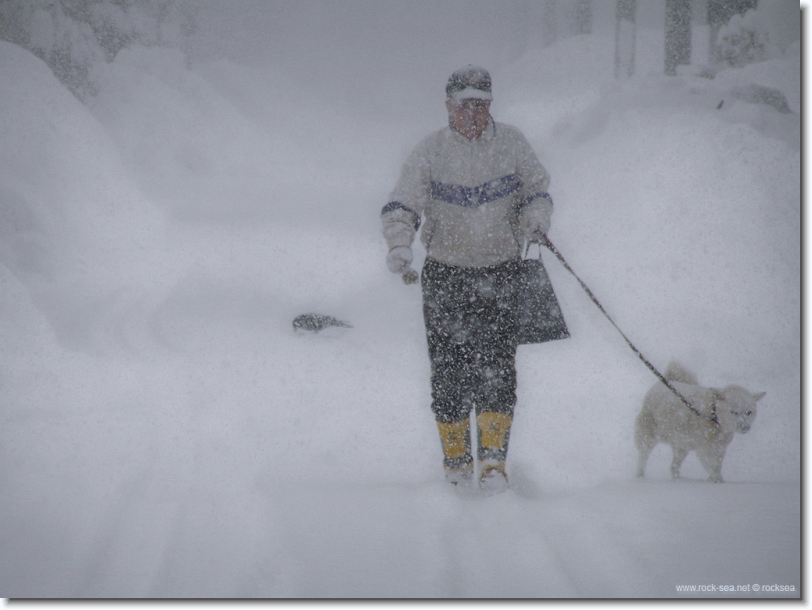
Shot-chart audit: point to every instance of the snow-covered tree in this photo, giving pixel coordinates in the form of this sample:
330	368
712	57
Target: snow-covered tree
742	41
583	17
720	13
72	35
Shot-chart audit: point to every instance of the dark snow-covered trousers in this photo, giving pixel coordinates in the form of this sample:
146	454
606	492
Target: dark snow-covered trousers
470	325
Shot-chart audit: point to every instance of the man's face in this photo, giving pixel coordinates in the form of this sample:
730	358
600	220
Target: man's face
469	117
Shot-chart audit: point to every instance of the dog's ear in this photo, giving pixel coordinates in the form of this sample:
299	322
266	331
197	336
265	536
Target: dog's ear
759	396
716	396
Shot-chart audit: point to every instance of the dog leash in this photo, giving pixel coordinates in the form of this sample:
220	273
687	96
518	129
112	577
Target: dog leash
549	245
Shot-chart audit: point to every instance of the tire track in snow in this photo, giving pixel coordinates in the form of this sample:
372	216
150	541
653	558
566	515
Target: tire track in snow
495	554
591	546
131	541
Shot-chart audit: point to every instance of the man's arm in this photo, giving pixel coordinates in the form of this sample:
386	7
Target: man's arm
535	204
400	218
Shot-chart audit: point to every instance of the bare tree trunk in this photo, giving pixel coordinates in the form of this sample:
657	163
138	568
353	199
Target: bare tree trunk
677	35
583	17
548	23
625	38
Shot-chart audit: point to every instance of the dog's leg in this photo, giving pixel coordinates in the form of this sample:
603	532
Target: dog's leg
644	450
676	462
645	439
711	458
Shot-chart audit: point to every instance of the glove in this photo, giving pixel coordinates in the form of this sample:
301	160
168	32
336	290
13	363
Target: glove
537	227
399	259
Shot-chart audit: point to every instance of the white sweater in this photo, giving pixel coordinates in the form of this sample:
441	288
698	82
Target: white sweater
477	196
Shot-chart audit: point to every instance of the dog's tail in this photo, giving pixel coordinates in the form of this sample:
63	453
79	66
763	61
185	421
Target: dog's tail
676	372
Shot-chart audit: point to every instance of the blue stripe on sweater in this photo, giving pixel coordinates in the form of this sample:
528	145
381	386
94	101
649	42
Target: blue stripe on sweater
530	199
478	195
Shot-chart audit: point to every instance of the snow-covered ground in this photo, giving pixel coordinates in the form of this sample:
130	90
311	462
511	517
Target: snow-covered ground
165	432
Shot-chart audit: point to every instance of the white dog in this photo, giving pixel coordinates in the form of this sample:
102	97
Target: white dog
665	418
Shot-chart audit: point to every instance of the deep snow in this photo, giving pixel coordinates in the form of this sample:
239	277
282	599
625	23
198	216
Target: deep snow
165	433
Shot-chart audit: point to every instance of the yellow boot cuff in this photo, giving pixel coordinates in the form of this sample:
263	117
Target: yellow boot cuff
454	438
492	429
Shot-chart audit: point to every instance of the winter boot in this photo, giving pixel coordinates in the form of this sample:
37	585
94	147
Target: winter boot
494	431
492	477
457	460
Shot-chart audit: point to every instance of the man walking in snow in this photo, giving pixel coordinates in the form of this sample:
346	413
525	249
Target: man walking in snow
480	193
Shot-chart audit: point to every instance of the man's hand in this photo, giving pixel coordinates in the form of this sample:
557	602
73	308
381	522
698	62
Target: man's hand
399	259
537	229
